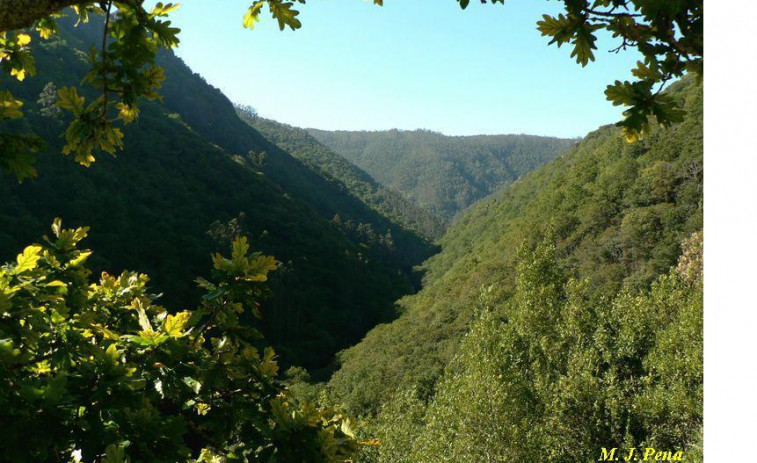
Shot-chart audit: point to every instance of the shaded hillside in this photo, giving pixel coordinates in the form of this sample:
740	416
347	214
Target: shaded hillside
320	158
618	213
186	169
213	116
442	173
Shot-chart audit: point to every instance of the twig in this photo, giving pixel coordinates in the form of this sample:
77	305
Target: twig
104	59
614	15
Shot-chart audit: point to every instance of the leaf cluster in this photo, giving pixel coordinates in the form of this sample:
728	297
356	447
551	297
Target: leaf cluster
112	376
122	72
669	35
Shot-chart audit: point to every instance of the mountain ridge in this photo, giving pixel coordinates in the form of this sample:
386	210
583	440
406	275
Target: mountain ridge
442	173
185	182
386	201
618	212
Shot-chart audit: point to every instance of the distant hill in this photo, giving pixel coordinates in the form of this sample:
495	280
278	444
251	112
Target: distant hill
442	173
300	144
618	212
191	176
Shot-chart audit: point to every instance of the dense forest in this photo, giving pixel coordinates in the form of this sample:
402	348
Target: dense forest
442	173
516	314
305	147
191	178
296	295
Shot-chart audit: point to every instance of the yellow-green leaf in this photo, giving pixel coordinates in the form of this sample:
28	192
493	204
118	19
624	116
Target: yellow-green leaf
10	108
260	267
239	249
19	73
176	324
68	98
252	15
284	14
112	353
28	259
79	259
23	39
268	366
127	113
162	10
144	322
42	368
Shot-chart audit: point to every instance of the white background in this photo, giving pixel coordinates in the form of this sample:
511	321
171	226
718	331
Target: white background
730	230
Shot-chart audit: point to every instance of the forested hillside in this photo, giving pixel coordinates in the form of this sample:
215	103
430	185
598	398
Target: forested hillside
189	169
343	297
442	173
557	373
616	214
300	144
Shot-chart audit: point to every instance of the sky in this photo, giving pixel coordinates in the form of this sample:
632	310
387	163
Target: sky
409	64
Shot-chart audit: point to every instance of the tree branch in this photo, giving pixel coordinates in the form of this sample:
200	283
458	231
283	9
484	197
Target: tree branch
19	14
104	58
612	14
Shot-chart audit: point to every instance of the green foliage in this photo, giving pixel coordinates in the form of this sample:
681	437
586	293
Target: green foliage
387	202
618	211
554	374
125	67
111	376
123	72
636	95
571	29
10	108
441	173
183	170
15	56
669	35
16	149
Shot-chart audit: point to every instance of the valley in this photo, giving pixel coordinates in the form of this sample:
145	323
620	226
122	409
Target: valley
442	173
229	287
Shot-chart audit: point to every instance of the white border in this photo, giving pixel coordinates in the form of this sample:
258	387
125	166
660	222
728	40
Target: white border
730	230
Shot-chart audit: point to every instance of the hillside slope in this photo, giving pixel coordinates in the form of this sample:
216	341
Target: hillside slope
188	168
618	213
319	157
441	173
573	371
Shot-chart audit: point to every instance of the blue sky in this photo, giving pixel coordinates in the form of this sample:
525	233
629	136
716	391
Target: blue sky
409	64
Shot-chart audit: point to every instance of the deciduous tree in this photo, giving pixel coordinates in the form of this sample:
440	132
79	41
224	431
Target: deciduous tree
97	372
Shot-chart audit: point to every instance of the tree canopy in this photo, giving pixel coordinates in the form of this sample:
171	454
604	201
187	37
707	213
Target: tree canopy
556	374
112	377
